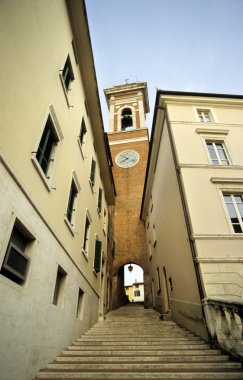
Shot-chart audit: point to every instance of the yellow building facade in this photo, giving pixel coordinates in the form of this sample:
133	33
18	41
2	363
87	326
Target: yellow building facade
56	185
192	204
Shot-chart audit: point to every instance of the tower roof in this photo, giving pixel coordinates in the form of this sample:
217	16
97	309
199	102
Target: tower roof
126	88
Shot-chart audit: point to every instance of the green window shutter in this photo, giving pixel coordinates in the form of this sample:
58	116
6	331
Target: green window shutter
100	200
113	248
108	232
98	245
83	131
92	173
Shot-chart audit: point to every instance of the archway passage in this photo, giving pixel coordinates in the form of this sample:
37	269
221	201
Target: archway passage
134	282
137	280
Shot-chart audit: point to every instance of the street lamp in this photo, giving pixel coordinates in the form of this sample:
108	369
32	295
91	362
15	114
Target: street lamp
130	268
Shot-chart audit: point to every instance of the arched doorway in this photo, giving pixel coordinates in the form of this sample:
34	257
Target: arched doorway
134	282
137	278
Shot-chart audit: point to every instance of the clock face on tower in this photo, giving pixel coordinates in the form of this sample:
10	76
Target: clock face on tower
127	158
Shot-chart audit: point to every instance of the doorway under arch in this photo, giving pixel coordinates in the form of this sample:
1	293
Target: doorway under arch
120	280
134	282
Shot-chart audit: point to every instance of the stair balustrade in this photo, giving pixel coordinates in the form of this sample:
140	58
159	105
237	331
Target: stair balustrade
225	324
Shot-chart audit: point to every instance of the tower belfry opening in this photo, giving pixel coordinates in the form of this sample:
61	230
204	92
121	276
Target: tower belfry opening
129	143
126	119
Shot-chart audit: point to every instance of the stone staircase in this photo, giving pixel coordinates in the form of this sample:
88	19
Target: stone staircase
133	343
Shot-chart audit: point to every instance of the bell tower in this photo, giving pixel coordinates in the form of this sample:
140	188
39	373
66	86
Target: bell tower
129	143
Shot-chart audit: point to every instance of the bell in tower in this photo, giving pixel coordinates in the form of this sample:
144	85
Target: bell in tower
128	105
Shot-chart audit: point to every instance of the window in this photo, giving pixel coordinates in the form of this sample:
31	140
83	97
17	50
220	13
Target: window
99	200
136	293
80	303
158	279
45	152
205	116
104	222
58	296
71	202
16	262
83	132
67	74
108	232
234	204
86	236
154	235
97	258
150	250
92	172
217	153
126	119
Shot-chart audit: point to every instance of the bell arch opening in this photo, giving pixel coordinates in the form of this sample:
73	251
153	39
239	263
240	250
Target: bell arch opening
126	119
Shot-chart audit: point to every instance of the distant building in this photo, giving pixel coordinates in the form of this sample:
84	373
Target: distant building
135	292
56	185
193	203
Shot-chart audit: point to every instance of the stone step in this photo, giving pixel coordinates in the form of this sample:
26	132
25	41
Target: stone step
139	376
137	347
129	342
145	359
137	340
138	353
131	348
141	366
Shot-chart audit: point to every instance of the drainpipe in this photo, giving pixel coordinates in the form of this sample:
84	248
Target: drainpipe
185	211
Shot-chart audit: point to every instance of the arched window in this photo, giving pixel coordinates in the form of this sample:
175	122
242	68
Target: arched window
126	119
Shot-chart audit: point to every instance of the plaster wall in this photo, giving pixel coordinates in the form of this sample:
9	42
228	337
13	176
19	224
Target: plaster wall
33	330
218	248
170	247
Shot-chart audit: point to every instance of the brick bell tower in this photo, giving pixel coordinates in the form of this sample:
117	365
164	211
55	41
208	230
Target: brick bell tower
129	143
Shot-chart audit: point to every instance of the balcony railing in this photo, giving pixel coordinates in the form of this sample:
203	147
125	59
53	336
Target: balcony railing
225	324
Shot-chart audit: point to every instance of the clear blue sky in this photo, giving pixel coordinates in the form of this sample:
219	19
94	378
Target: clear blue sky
184	45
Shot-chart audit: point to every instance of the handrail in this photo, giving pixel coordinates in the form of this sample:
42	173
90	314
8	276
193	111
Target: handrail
225	324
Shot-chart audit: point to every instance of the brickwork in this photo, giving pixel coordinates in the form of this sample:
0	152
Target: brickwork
129	231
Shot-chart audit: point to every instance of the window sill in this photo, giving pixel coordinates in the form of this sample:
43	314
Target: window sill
65	91
43	177
69	225
85	254
95	273
91	185
81	148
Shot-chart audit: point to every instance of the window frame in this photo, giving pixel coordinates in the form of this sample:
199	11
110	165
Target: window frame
232	195
98	245
203	118
92	173
16	226
58	298
74	184
67	88
57	132
86	235
82	137
214	142
100	199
